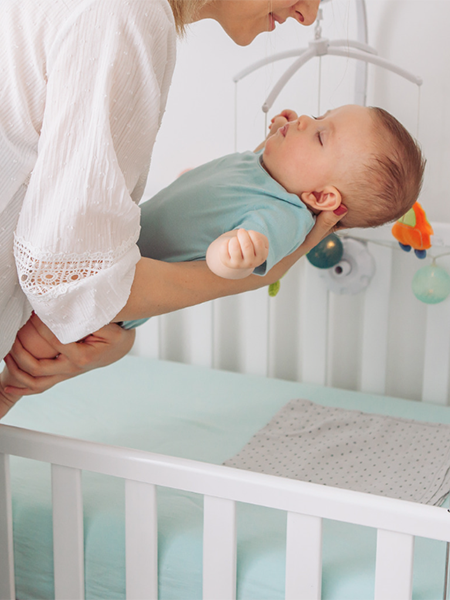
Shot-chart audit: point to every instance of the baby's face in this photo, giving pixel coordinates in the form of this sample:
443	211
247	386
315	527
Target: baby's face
309	154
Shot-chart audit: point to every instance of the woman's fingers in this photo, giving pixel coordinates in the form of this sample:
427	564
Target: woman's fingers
34	376
325	224
44	367
46	333
27	384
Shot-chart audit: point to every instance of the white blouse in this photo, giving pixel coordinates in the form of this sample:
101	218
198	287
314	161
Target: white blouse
83	89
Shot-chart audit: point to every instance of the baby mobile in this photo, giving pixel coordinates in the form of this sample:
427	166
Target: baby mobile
346	264
348	269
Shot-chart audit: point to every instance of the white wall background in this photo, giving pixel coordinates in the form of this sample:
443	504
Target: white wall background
199	121
199	125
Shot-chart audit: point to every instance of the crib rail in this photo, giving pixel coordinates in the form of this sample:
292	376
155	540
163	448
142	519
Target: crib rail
306	504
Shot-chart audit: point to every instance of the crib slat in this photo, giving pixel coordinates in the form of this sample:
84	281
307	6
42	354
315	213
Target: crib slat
394	570
376	323
437	354
147	342
254	335
314	327
219	549
141	541
7	591
199	334
303	557
68	552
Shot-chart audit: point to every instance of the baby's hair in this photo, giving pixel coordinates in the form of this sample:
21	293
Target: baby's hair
385	187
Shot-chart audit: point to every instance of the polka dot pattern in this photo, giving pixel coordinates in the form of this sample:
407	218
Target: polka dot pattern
348	449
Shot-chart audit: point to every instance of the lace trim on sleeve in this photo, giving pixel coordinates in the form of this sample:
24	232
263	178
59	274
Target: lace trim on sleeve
43	273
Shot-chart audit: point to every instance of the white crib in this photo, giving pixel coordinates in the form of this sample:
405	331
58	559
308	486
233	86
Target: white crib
292	336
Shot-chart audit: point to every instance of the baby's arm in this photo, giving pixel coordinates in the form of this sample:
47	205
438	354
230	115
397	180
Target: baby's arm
235	254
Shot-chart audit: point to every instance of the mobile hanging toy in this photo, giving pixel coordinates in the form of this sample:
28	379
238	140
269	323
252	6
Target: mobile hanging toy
413	231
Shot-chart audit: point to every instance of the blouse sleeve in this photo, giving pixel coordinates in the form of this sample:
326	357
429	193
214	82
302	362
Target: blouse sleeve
285	225
108	74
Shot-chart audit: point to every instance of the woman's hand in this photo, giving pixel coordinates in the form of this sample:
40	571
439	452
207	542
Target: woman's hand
326	223
33	376
7	400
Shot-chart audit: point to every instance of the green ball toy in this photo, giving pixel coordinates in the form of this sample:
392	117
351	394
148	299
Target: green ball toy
328	253
431	284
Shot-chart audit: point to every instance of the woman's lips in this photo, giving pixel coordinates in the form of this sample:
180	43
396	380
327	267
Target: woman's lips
274	19
271	22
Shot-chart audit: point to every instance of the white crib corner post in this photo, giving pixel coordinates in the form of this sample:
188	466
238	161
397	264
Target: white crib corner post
394	566
141	540
303	557
219	549
7	588
68	539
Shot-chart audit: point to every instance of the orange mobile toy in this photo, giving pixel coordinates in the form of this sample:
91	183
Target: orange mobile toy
413	231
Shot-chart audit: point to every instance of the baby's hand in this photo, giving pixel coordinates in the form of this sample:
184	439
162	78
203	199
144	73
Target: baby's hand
284	117
246	250
235	254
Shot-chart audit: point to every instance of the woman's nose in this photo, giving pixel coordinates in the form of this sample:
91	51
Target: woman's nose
306	11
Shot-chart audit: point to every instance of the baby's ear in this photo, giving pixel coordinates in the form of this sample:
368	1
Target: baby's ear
328	199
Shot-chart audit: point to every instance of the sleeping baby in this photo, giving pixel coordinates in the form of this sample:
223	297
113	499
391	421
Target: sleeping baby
244	212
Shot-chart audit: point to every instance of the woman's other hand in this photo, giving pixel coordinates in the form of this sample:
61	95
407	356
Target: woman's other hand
326	223
33	376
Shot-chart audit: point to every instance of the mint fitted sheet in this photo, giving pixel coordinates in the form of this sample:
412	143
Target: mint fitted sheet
199	414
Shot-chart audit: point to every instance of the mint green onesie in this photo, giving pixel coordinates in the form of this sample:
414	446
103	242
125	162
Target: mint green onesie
181	221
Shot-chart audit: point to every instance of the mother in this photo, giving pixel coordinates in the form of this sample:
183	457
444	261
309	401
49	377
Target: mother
84	88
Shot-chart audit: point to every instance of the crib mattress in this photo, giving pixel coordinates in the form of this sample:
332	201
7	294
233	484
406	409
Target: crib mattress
200	414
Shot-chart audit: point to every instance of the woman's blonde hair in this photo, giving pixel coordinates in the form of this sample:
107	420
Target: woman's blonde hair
184	12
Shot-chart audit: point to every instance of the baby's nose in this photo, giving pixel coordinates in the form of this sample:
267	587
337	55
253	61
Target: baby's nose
303	122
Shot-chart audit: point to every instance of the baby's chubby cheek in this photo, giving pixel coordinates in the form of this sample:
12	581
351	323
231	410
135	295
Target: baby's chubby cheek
34	343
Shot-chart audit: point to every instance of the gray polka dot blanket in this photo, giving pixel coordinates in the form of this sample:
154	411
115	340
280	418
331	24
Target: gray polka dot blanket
349	449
